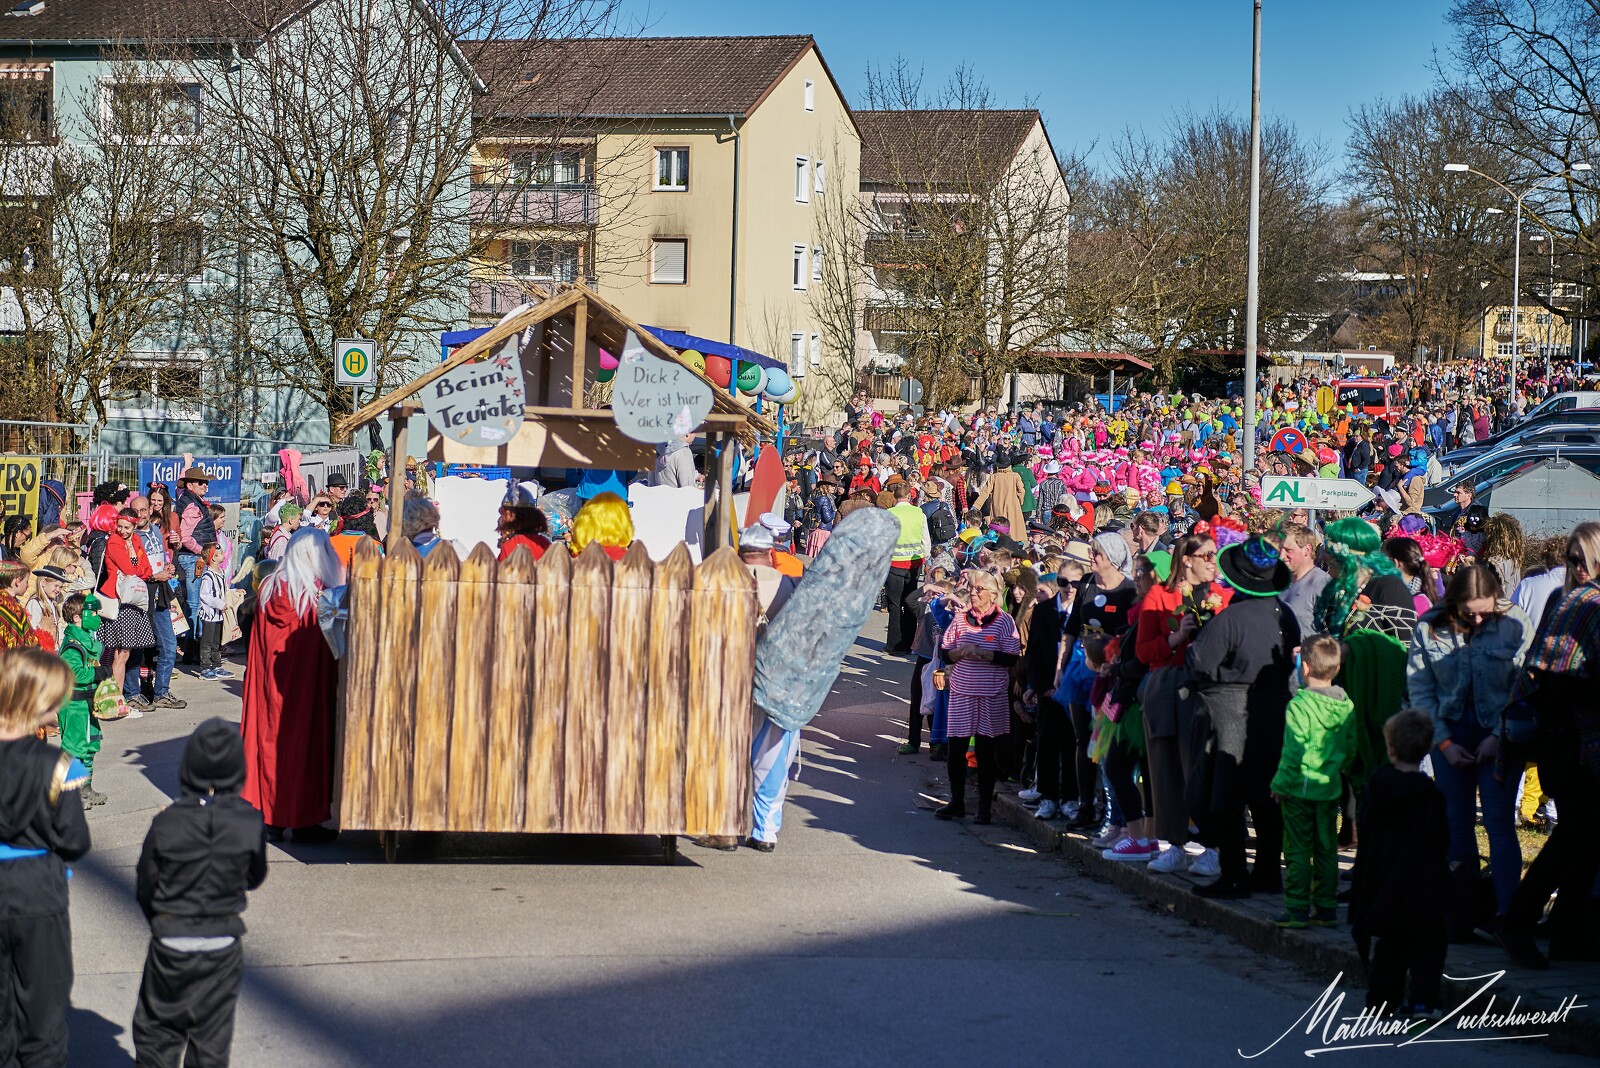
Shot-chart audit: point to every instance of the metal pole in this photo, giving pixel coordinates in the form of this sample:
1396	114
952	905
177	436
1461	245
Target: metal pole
1516	296
1253	273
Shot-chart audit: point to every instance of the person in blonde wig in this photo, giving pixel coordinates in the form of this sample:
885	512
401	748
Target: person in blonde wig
605	519
42	826
289	688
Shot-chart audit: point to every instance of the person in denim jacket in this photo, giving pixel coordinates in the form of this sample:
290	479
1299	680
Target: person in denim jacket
1464	658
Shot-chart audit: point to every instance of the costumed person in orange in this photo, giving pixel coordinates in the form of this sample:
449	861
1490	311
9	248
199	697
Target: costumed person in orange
356	521
522	524
605	519
289	688
15	631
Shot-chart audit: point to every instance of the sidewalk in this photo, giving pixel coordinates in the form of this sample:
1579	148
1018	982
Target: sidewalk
1322	951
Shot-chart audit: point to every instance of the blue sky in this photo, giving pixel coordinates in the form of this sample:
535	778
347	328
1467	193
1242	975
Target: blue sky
1095	68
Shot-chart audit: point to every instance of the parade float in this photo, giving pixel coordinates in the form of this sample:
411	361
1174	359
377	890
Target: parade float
572	695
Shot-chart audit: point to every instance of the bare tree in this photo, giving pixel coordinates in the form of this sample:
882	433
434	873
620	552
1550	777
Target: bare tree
342	140
102	243
968	223
837	297
1433	235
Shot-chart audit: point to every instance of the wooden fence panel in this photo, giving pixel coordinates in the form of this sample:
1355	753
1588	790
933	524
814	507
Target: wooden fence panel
435	668
626	698
588	670
469	713
363	639
721	665
547	746
510	694
666	707
396	691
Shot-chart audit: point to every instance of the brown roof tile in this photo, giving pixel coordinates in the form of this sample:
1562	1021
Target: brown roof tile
942	147
632	75
123	20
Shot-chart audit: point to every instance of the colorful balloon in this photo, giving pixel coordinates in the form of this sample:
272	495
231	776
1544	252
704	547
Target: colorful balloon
605	374
718	369
608	362
778	382
751	378
694	359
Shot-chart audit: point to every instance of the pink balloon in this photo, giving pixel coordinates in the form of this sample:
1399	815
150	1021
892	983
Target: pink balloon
608	362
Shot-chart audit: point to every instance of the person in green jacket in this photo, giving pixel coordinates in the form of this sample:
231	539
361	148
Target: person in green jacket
1316	746
80	735
1029	484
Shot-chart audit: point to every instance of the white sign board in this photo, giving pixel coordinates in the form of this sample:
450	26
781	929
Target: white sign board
1328	494
481	402
353	363
654	400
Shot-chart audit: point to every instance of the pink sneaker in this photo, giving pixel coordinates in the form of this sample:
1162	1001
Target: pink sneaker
1131	849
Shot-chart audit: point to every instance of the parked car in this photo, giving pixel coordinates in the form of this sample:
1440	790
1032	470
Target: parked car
1491	470
1566	428
1562	402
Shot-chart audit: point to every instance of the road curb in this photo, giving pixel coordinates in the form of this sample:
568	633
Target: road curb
1324	953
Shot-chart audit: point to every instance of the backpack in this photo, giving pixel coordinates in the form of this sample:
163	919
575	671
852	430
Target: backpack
941	523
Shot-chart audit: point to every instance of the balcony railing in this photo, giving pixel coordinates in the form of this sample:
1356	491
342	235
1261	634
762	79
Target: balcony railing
889	319
496	296
896	249
887	388
563	204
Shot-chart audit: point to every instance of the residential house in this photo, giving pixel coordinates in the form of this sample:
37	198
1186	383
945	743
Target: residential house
931	181
1540	332
681	177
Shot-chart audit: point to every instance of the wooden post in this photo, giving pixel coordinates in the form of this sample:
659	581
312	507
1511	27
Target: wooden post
436	651
400	419
580	351
393	709
360	684
667	706
547	747
627	701
588	661
469	714
721	654
719	515
510	694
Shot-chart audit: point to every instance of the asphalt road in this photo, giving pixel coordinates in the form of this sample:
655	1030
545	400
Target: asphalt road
873	935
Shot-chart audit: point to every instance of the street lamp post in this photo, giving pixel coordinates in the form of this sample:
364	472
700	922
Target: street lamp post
1516	257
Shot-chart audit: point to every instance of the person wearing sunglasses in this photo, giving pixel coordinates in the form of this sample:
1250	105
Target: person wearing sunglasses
1465	655
319	513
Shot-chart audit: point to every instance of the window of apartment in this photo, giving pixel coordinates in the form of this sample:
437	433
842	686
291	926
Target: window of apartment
544	261
798	273
819	169
816	265
816	350
155	109
672	170
26	113
669	261
1505	348
176	377
811	95
24	241
1503	317
802	180
797	355
545	167
171	248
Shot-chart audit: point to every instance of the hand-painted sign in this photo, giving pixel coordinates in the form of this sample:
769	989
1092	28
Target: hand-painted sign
655	400
227	475
479	403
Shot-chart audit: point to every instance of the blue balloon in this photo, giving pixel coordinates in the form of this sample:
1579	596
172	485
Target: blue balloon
778	382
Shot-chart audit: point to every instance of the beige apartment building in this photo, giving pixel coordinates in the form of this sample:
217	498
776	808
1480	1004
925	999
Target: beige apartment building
682	178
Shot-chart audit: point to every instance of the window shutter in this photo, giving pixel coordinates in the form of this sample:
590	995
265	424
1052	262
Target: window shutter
669	262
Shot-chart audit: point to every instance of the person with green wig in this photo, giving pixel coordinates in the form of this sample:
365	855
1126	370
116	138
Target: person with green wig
1367	605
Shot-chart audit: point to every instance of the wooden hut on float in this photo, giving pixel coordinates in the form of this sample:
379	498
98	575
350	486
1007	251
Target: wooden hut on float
564	696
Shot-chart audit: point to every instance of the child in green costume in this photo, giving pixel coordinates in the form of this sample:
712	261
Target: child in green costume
81	649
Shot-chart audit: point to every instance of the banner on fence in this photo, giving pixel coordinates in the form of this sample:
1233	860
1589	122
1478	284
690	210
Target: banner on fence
19	485
227	475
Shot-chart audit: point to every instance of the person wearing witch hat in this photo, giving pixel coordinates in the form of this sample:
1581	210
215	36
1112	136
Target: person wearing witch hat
1243	666
203	854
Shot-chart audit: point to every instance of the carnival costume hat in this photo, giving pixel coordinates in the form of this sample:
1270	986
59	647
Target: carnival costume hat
1254	568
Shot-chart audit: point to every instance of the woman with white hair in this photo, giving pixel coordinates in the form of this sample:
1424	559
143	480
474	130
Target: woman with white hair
289	683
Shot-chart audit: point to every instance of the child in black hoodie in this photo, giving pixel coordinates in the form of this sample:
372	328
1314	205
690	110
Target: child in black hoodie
202	854
1401	881
41	828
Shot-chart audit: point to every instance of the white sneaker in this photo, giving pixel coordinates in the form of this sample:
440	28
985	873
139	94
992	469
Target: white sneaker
1069	810
1206	865
1048	810
1170	859
1029	796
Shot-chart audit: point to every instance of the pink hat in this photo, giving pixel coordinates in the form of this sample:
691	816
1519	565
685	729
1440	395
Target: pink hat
1046	451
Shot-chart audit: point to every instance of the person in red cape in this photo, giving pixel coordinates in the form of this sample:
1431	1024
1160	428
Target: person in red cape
522	525
289	687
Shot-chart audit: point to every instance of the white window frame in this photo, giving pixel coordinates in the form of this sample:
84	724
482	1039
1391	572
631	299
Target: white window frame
799	269
797	355
816	264
1505	348
816	350
555	250
153	362
811	95
109	86
655	244
802	179
819	176
655	174
153	267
